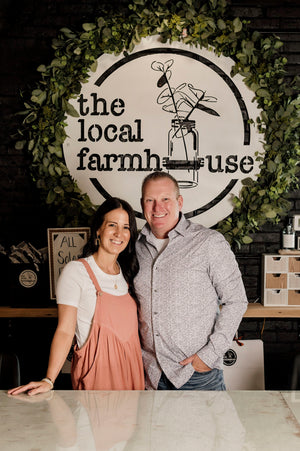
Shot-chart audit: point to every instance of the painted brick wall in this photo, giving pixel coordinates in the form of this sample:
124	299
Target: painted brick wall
281	337
26	29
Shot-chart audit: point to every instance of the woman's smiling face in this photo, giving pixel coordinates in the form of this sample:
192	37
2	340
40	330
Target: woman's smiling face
114	232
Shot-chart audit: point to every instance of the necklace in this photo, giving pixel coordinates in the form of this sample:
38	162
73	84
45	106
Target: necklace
115	281
115	285
115	271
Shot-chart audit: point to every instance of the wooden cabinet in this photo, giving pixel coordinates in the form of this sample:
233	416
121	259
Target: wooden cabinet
281	280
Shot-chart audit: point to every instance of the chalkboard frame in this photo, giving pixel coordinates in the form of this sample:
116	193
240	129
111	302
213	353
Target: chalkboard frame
78	236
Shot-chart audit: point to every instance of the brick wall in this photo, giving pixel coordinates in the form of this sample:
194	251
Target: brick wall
281	337
27	28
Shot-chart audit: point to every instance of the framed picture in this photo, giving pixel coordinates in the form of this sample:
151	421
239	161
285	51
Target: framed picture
64	245
298	243
296	223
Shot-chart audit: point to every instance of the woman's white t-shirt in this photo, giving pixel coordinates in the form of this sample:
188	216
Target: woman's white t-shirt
75	288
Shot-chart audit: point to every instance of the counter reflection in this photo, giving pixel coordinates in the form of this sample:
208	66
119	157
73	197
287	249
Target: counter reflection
129	420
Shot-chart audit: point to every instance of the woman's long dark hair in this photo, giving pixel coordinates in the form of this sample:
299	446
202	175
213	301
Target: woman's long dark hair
126	259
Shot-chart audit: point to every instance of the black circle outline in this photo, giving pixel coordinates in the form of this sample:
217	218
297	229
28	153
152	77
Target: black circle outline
228	81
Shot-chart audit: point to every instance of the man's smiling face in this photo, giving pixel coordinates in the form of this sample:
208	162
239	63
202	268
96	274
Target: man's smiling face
161	206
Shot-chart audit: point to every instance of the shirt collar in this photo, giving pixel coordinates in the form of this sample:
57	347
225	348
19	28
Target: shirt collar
179	229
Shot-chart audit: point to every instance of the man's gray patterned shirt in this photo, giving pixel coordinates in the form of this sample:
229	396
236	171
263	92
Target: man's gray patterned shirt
180	291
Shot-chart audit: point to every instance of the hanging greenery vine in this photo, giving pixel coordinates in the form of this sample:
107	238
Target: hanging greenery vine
202	23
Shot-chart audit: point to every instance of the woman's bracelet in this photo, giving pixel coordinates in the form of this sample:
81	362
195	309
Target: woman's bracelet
49	381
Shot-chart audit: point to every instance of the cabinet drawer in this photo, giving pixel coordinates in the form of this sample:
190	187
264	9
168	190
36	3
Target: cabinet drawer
276	280
294	264
294	280
294	297
275	297
276	263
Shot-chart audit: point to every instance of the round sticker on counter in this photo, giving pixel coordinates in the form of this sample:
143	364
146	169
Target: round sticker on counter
28	278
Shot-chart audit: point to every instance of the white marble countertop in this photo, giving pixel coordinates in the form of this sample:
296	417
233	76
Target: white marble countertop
151	421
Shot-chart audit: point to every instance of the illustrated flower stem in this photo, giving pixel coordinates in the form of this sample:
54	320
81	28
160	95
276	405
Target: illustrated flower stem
179	121
195	106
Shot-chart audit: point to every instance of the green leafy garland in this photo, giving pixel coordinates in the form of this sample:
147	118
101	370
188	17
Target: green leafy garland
205	24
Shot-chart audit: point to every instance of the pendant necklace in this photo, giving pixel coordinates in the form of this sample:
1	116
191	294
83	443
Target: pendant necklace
115	281
115	285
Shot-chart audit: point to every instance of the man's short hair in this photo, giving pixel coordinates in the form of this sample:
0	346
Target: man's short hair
157	175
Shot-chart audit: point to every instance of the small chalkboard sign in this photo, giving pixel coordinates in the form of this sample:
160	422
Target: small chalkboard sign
64	245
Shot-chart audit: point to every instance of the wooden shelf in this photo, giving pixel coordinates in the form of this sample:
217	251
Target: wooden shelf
256	310
11	312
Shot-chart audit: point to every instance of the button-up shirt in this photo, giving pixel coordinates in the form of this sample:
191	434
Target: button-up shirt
180	292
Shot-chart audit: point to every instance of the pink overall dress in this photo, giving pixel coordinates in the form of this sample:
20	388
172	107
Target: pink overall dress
111	358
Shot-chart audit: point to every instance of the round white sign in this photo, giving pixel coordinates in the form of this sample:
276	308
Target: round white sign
164	107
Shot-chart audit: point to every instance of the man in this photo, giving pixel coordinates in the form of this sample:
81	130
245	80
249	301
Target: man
186	272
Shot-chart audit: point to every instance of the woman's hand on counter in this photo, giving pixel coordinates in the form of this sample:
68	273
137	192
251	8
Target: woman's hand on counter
33	388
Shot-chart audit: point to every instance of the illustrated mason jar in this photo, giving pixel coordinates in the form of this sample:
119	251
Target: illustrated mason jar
183	152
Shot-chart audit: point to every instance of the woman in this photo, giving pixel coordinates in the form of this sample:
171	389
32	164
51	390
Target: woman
97	302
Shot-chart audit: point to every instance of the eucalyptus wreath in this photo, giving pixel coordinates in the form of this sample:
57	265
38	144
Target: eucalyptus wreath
203	23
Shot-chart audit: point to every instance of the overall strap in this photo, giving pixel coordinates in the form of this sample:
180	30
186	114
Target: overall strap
92	275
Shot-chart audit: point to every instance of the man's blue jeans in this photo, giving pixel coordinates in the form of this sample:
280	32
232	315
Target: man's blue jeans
210	380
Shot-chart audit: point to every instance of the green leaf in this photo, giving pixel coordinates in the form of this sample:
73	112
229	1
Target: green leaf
94	66
50	197
68	33
237	25
263	92
77	51
221	24
278	44
51	170
271	214
42	68
40	98
88	26
248	181
19	145
46	162
271	166
101	22
31	144
58	190
56	62
106	32
69	109
247	240
30	118
65	30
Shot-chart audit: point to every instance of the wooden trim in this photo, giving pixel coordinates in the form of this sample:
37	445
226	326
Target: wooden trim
254	310
11	312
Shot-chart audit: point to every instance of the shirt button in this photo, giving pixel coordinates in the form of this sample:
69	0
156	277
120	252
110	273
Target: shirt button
155	313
